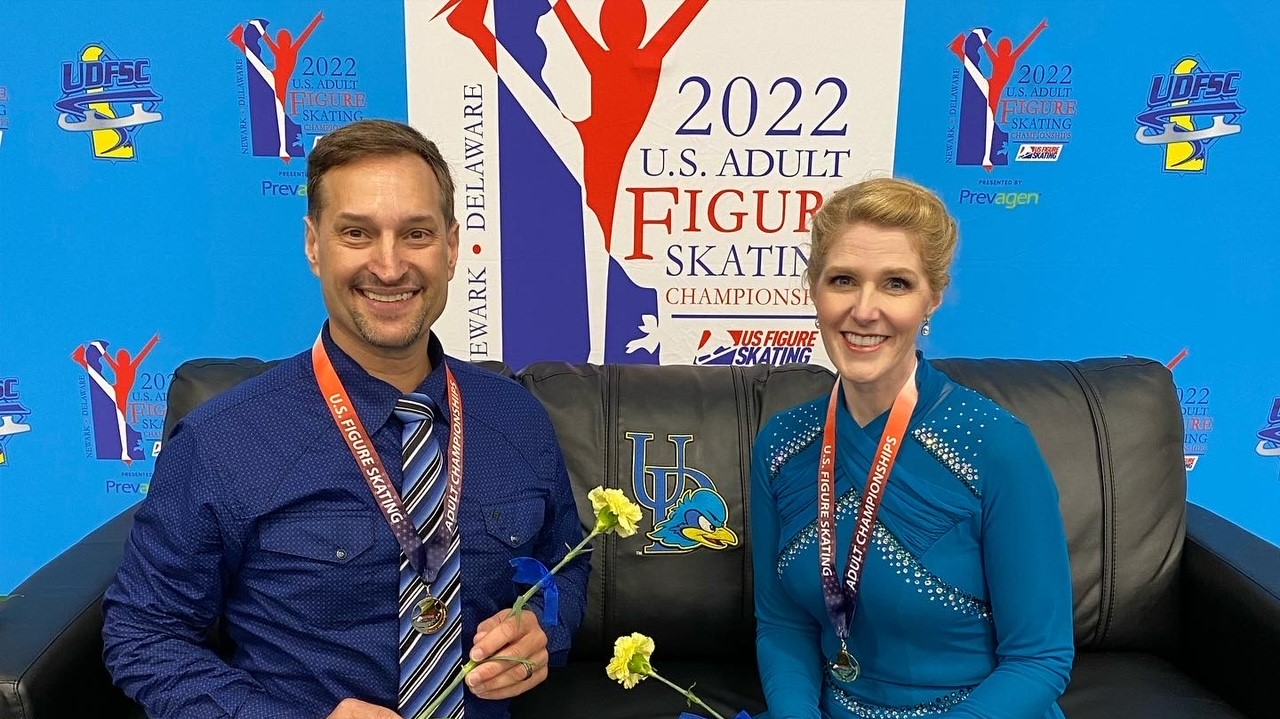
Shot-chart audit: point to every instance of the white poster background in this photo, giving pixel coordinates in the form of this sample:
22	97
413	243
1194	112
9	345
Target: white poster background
822	46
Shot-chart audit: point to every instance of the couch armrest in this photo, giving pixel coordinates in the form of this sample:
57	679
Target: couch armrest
1231	611
51	636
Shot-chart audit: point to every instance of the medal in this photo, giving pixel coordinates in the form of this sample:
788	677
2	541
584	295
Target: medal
432	614
844	667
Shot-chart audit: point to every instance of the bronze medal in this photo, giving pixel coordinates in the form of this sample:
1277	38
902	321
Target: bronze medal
845	667
432	614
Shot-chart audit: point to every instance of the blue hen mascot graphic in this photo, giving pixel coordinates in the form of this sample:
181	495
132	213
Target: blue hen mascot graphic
699	518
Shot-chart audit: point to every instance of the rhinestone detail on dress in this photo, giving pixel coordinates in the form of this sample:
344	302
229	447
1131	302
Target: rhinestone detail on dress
865	710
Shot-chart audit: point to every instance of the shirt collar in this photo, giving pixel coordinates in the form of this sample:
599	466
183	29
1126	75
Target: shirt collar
375	399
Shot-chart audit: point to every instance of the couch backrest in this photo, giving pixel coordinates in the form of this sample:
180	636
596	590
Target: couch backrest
655	432
1111	430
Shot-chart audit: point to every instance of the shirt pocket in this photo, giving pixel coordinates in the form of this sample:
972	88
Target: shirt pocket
318	566
513	525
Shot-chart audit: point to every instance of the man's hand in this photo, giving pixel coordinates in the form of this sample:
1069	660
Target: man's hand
355	709
508	636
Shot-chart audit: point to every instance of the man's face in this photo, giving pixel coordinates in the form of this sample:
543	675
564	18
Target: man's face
383	255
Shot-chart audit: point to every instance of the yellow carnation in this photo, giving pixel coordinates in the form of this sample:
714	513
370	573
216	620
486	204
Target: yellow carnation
630	662
614	511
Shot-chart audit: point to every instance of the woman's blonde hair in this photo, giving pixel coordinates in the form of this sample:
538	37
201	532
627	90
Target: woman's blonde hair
889	203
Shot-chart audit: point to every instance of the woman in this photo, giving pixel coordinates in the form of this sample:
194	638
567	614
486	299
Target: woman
945	589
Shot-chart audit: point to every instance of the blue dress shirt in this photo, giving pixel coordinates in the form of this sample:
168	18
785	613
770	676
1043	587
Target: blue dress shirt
259	519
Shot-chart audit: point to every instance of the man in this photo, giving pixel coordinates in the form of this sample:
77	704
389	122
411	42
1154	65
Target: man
272	511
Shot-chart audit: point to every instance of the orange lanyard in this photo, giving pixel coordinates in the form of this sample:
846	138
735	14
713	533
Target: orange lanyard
842	599
426	559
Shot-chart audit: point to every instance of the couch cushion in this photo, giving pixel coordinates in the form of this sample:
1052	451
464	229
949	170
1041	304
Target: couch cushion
657	433
1105	685
1111	431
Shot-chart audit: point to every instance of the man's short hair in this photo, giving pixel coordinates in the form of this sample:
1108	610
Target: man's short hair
373	138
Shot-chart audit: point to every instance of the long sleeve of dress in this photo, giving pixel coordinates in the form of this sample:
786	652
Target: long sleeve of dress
1029	582
787	645
168	593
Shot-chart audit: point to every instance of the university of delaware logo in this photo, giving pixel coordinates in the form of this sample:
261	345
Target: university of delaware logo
13	416
108	97
687	511
1188	109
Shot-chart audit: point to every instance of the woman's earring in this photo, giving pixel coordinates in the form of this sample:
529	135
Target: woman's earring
924	328
815	323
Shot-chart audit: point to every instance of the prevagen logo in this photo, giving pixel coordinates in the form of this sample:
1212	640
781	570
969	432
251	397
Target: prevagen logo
110	98
118	411
686	509
13	416
751	347
1269	436
1039	153
1007	200
1188	109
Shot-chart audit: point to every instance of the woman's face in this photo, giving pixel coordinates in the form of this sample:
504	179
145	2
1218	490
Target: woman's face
871	298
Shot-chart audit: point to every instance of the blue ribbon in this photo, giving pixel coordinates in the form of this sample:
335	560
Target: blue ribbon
687	715
531	571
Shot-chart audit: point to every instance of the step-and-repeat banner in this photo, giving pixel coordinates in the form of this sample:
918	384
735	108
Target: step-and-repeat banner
635	184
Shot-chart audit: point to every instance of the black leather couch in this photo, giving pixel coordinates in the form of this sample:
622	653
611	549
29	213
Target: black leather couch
1177	611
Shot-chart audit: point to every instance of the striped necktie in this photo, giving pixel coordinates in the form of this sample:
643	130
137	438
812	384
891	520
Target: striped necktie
428	662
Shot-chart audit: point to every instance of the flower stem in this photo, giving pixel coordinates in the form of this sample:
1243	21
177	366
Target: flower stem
431	708
462	674
686	693
518	606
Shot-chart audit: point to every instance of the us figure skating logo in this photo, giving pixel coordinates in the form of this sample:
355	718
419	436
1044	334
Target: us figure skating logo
1188	110
752	347
110	98
13	416
273	130
106	391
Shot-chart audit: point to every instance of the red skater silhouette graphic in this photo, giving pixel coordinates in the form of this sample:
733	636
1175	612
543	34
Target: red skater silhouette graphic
286	52
624	83
1004	60
468	21
126	370
284	48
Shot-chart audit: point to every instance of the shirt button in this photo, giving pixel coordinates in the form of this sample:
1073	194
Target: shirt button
515	539
341	554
